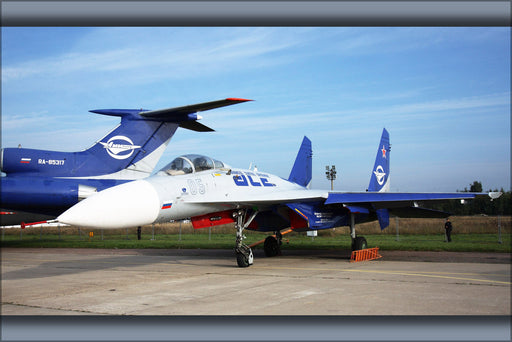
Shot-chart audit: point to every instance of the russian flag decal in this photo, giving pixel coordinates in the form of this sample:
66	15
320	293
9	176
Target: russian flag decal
25	160
167	205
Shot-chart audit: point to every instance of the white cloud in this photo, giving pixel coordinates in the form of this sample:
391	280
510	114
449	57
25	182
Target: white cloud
159	57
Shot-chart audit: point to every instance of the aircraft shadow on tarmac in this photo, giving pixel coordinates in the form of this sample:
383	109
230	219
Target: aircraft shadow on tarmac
148	257
68	267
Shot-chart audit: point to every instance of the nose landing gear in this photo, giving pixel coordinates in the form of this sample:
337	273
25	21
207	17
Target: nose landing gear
244	256
358	242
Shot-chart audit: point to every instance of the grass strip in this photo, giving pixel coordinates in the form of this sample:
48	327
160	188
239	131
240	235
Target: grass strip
405	242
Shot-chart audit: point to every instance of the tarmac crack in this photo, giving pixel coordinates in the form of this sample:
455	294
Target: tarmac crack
280	276
51	308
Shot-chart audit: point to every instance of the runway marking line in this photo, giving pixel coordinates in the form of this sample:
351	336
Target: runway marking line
268	267
418	274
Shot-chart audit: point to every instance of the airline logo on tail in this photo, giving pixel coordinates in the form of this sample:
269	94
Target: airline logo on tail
379	170
119	147
379	174
383	152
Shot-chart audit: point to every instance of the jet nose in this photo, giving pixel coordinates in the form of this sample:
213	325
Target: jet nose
127	205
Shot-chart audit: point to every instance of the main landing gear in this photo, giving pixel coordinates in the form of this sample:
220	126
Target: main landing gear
272	245
244	256
358	242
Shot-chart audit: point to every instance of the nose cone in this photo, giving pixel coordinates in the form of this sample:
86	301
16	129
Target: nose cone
127	205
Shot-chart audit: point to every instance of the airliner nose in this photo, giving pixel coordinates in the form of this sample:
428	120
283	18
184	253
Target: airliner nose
127	205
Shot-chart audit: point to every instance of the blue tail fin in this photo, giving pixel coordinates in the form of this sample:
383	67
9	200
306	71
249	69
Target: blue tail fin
130	151
302	168
379	178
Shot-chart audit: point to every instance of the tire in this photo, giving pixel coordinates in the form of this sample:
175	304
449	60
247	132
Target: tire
359	243
271	247
242	260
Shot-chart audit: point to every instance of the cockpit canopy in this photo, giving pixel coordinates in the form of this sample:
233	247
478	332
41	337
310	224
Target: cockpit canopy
191	163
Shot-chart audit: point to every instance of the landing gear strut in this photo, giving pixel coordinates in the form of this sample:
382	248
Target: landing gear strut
244	256
358	242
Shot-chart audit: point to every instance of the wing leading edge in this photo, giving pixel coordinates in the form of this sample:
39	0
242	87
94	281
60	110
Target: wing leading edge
393	199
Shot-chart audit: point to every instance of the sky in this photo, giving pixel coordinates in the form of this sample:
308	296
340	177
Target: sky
443	93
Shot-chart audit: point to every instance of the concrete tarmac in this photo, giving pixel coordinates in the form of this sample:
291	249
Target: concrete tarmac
208	282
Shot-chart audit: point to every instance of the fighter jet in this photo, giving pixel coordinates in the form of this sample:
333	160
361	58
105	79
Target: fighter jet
210	193
42	184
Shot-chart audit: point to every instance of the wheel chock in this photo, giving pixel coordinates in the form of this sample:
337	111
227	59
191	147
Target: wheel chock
365	254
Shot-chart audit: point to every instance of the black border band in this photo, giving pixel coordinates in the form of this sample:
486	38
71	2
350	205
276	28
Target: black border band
249	13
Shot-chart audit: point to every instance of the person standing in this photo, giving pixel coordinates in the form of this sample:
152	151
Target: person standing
448	230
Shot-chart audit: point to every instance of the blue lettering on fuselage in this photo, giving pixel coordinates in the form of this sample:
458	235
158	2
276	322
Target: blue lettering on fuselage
240	180
244	179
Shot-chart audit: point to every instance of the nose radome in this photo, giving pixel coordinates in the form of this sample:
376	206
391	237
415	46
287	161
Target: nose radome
127	205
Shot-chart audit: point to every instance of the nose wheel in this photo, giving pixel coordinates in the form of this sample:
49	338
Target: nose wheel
244	256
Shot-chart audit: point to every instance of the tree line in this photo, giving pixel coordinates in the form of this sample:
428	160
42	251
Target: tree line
479	205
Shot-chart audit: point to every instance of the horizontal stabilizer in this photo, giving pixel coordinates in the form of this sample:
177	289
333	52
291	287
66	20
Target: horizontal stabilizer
195	126
171	113
118	112
185	116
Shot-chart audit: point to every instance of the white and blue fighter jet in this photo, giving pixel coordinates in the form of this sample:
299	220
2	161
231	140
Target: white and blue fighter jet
211	193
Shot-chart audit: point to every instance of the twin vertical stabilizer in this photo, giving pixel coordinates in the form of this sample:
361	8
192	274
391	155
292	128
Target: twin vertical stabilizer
302	168
379	179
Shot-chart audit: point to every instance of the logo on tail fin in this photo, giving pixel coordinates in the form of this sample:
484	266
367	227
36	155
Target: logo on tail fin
380	174
379	180
117	150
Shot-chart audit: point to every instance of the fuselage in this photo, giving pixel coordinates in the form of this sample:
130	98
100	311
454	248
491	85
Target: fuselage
163	197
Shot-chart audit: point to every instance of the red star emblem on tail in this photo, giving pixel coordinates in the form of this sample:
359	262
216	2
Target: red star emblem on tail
383	152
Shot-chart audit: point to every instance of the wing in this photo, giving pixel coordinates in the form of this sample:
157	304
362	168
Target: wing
396	199
381	204
375	200
312	209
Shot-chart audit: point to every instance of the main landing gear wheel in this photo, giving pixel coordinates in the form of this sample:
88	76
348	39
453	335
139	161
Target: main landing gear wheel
359	243
271	246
